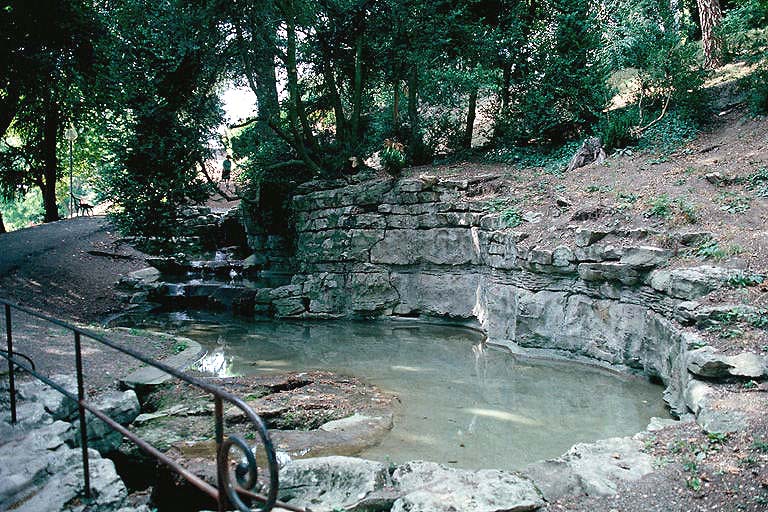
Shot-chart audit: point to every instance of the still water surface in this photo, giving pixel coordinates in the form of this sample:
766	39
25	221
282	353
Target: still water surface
463	404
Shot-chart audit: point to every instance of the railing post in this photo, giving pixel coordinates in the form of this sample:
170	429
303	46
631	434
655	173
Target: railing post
81	411
11	367
221	460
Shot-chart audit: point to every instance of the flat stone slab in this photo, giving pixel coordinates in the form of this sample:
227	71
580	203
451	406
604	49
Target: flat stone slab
432	487
151	376
592	469
331	483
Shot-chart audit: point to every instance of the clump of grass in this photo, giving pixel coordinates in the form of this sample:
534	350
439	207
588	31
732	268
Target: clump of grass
511	217
660	206
744	280
758	182
591	189
687	210
628	197
711	249
179	347
733	203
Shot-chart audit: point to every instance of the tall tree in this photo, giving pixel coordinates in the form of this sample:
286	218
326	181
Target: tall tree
166	64
48	53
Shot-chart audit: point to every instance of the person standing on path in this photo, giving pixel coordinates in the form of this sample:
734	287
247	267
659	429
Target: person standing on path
226	170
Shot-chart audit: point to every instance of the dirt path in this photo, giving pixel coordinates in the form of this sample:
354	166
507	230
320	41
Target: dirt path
50	268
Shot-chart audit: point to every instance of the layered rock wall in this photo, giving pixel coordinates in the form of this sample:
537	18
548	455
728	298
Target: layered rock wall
425	248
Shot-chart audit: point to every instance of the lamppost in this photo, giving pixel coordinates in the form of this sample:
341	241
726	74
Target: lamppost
70	134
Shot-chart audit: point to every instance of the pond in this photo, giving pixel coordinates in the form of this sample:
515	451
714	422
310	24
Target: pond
462	403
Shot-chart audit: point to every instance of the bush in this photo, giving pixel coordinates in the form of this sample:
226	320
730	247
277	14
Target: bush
660	207
668	134
563	88
615	128
393	157
756	88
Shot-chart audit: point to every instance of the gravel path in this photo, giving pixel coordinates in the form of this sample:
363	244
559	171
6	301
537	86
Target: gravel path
49	268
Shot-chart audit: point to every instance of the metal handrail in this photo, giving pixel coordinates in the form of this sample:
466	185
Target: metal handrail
247	475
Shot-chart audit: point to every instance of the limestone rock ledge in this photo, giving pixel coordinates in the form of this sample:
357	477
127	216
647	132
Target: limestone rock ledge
419	247
42	469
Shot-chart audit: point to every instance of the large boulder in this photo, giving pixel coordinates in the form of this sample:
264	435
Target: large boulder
645	256
708	362
690	283
121	406
331	483
431	487
591	469
40	472
442	246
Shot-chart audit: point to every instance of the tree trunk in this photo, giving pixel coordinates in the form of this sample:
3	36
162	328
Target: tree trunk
2	224
471	112
413	108
357	95
342	133
48	182
396	104
299	125
710	16
506	83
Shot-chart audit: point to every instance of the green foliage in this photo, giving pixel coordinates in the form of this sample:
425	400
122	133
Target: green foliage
744	32
758	320
508	213
22	212
668	134
615	128
757	182
179	347
649	37
660	206
562	86
744	280
733	203
393	157
711	249
760	445
687	210
553	160
173	113
511	217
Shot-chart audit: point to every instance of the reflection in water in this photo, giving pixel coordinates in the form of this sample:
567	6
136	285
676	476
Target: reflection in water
463	402
216	361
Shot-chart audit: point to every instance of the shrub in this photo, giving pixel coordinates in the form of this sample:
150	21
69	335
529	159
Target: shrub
668	134
758	181
660	207
710	249
615	128
393	157
687	210
743	280
511	217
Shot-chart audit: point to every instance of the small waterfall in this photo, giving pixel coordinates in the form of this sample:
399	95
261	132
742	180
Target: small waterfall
175	290
219	256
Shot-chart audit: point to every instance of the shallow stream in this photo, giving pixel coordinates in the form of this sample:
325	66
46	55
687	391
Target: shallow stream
463	404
